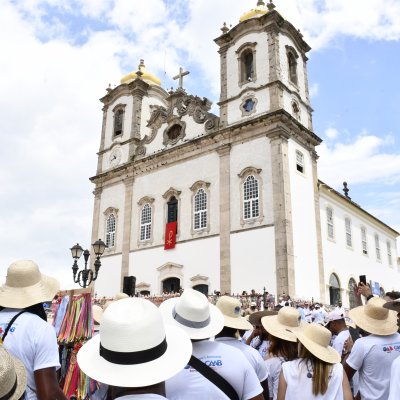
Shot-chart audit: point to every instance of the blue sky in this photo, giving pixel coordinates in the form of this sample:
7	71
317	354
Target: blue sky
59	56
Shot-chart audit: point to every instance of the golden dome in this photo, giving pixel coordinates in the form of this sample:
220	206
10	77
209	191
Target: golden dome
260	10
146	76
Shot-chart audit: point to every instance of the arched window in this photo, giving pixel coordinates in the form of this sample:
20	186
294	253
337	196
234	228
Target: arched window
377	248
200	210
247	65
334	289
246	56
110	231
251	207
364	240
145	223
292	64
296	110
118	121
349	241
354	297
329	222
172	212
389	252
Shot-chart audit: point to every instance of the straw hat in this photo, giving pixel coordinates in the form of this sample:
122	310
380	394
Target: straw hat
375	319
118	296
134	348
194	314
231	308
315	338
12	376
255	318
393	305
26	286
97	316
280	325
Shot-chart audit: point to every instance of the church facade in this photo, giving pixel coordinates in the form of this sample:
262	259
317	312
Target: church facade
186	198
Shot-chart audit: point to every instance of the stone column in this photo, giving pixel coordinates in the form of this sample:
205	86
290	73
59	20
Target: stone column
282	209
314	158
223	110
102	140
224	218
275	91
95	224
127	228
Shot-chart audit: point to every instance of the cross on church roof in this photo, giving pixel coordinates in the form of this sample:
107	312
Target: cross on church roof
180	77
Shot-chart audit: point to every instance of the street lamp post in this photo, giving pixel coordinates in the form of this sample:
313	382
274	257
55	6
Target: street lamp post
86	276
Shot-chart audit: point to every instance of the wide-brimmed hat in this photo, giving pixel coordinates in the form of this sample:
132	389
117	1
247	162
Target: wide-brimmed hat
118	296
315	338
194	314
231	309
12	376
134	347
393	305
281	325
255	318
375	319
26	286
97	316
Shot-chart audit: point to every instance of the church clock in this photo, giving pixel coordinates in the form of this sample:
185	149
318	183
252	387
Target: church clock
115	157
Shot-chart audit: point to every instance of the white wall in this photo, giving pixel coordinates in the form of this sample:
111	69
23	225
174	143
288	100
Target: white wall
109	278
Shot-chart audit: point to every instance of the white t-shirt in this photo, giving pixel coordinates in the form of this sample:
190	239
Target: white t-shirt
33	341
372	356
299	386
338	341
308	315
227	361
318	315
252	355
394	380
274	367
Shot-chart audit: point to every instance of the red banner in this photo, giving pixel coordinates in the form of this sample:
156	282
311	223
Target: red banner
170	235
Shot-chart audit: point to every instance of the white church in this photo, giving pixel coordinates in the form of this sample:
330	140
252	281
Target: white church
186	198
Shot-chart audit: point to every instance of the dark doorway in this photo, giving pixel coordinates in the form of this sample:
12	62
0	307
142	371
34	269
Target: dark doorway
145	292
334	289
201	288
171	285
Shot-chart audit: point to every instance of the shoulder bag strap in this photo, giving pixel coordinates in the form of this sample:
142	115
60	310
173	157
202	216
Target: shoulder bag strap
10	325
220	382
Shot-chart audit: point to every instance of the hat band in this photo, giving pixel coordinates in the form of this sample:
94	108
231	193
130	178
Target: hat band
11	392
133	357
189	323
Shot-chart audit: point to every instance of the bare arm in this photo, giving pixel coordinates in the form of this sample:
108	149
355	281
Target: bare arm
282	387
346	389
47	385
349	371
264	385
258	397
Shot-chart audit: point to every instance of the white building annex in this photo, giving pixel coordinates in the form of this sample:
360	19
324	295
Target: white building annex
242	187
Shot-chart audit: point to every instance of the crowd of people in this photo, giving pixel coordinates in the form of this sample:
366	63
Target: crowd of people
190	346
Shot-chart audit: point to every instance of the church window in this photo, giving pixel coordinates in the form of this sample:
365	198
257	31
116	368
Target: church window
296	110
389	252
247	60
349	241
292	63
334	289
172	212
377	247
174	132
246	56
118	121
329	222
364	240
200	209
145	223
110	231
250	198
248	105
300	161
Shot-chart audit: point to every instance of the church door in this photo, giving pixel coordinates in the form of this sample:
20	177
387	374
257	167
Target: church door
202	289
171	285
334	289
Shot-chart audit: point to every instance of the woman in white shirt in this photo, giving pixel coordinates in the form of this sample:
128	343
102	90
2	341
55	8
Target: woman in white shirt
283	344
317	374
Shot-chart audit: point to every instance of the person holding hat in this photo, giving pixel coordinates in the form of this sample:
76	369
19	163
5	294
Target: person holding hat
283	343
24	329
230	308
317	373
135	352
372	356
12	376
201	320
336	323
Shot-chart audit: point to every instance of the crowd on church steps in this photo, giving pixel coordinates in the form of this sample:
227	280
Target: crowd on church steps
193	347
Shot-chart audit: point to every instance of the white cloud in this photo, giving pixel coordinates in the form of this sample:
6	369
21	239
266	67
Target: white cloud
314	90
332	133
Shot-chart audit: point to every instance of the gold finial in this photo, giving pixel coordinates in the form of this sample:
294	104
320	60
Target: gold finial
260	3
224	28
270	5
141	68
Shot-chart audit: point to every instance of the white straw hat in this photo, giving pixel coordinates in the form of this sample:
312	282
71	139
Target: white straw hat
26	286
12	376
231	309
374	318
194	314
315	338
134	348
97	315
118	296
280	325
